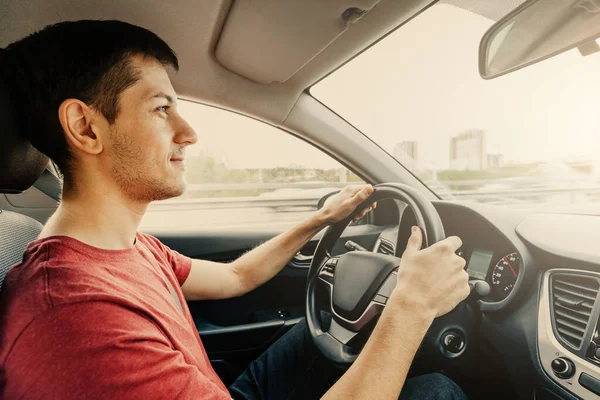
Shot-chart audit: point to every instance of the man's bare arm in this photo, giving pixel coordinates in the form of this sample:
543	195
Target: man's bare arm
211	280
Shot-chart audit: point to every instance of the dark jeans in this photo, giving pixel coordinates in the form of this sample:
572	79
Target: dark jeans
292	368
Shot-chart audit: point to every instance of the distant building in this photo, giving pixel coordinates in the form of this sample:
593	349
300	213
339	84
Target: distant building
410	148
495	160
407	154
596	162
467	151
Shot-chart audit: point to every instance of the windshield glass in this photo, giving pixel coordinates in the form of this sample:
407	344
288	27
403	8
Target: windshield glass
528	138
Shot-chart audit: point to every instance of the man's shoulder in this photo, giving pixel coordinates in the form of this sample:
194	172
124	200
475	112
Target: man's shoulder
151	242
54	274
160	251
49	264
27	281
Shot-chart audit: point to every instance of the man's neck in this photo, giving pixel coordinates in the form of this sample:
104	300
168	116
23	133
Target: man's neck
91	215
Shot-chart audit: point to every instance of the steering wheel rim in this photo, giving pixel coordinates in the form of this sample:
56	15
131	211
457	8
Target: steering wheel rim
333	344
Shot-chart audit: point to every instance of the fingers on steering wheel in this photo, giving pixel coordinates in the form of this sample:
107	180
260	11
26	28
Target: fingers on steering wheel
361	193
367	191
415	241
451	243
362	213
360	196
353	189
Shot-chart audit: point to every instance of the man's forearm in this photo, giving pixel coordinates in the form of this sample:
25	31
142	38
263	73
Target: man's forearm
265	261
380	370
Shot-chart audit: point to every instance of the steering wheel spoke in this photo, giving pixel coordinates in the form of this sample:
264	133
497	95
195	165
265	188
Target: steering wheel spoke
340	333
333	349
373	309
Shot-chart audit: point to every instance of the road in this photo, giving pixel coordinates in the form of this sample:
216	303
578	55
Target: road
283	213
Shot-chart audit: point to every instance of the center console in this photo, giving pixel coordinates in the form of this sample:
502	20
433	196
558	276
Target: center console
569	330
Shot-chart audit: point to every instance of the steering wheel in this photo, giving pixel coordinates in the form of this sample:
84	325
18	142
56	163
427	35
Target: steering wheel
359	283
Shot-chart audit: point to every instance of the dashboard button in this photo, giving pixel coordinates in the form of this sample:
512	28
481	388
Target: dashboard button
590	383
453	342
563	368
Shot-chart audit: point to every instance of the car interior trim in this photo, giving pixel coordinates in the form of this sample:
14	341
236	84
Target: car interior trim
550	348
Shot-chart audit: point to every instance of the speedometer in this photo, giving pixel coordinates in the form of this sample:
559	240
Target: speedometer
505	273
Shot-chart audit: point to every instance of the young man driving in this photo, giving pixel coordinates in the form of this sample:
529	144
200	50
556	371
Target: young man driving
97	309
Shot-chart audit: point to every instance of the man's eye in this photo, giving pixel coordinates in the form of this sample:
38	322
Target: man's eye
162	108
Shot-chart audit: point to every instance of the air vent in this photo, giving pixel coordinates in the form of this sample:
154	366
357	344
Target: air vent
385	247
573	298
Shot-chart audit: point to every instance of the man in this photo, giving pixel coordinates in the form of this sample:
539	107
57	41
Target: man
97	309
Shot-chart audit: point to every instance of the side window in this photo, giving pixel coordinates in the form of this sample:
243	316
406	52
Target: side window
245	173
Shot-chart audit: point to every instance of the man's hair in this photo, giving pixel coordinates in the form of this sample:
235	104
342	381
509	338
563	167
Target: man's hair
86	60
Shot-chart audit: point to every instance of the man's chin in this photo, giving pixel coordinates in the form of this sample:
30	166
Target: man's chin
169	192
156	192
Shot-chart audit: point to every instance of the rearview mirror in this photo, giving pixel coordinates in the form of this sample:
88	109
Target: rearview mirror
537	30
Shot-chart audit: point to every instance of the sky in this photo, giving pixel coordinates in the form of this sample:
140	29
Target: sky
422	83
241	142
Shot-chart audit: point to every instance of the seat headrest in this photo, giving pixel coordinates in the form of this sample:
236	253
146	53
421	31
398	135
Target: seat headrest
20	163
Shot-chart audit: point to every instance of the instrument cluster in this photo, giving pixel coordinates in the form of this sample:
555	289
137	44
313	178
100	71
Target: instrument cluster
498	269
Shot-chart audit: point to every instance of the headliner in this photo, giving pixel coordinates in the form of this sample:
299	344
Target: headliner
192	28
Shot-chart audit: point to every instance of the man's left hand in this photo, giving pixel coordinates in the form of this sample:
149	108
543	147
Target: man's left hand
342	204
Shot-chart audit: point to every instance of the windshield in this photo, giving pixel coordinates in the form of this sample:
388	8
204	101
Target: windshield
528	138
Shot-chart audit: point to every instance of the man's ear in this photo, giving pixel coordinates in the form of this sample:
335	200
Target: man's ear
80	125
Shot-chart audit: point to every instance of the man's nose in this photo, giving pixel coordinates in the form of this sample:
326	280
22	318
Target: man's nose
185	133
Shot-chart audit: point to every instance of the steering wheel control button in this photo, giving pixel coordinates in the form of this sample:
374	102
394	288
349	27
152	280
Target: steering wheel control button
388	286
590	383
328	270
563	368
380	299
453	342
330	265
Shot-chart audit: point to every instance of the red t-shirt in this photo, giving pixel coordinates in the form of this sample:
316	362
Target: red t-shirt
78	322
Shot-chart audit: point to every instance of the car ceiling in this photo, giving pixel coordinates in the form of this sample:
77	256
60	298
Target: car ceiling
491	9
215	38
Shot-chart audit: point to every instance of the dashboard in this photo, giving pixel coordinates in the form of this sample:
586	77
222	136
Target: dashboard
538	334
489	254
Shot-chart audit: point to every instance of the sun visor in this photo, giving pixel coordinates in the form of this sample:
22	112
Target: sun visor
270	40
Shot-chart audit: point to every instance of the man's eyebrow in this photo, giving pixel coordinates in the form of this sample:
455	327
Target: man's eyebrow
164	96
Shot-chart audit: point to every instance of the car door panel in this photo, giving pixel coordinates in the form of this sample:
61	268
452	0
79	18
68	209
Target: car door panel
280	298
235	331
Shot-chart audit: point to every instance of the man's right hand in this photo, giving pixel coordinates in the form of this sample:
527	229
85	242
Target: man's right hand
433	280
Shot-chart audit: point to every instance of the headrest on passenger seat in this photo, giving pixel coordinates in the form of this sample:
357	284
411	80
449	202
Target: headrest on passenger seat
20	163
